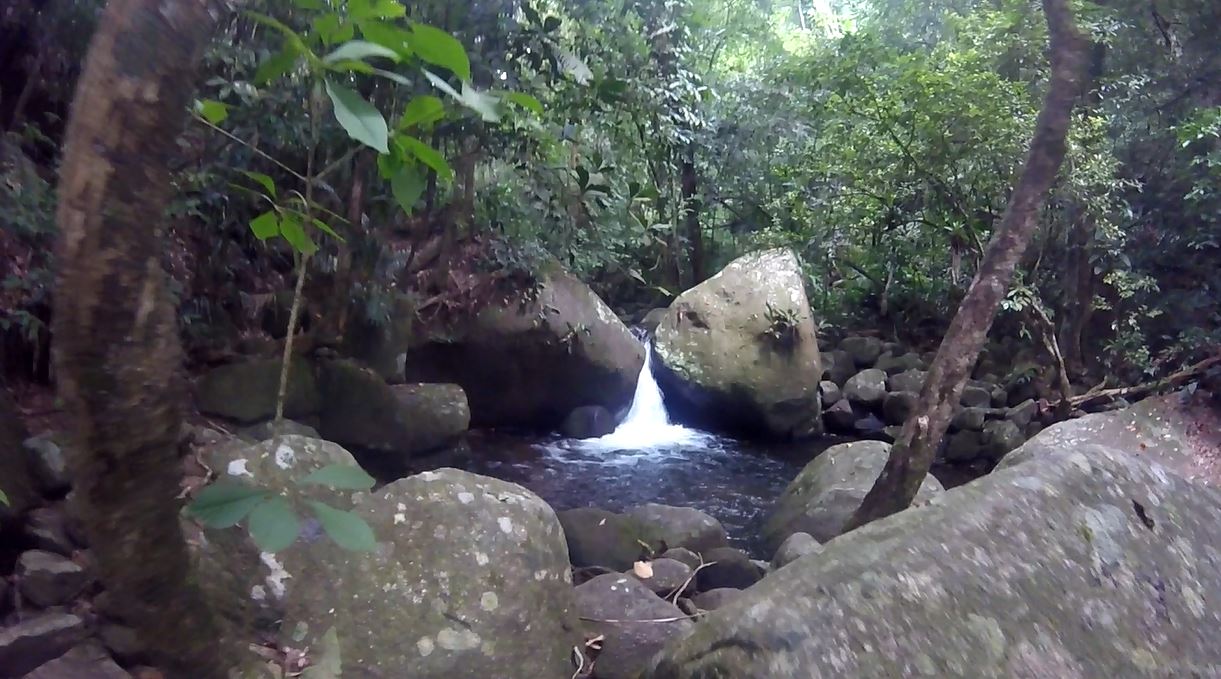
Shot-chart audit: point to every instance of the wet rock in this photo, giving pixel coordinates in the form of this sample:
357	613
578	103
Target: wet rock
85	661
964	446
840	416
47	530
683	555
895	364
866	388
597	537
716	598
626	646
1073	560
588	422
794	547
534	358
49	463
829	490
733	568
908	380
838	366
970	419
680	526
899	405
739	352
829	392
864	351
269	430
48	579
664	576
1000	437
246	392
36	639
974	396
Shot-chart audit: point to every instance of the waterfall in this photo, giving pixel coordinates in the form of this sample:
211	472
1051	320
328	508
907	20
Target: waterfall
647	424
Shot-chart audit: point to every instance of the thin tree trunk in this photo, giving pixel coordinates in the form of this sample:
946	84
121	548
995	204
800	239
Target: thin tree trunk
1078	294
691	208
912	454
116	343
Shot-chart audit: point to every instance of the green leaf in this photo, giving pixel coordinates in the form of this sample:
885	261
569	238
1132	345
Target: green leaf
326	228
391	75
4	499
273	525
375	9
388	36
427	155
441	49
358	118
212	111
266	225
360	49
345	528
296	236
340	477
525	101
225	503
263	179
422	110
277	65
407	185
480	102
328	663
332	29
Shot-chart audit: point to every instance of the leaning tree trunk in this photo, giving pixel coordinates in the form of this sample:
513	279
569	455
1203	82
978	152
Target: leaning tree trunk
913	452
117	352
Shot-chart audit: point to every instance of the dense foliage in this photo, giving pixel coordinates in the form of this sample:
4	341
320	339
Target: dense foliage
645	143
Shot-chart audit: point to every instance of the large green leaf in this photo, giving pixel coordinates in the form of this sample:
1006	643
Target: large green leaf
481	102
225	503
359	118
345	528
326	228
267	182
375	9
266	225
340	477
290	228
407	184
388	36
274	525
441	49
427	155
332	29
422	110
360	49
525	101
212	111
277	65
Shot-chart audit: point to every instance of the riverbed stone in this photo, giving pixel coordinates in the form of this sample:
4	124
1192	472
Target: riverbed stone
681	526
16	469
1023	413
794	547
976	396
532	358
732	568
964	446
719	360
840	416
626	646
838	366
864	351
47	530
1000	437
1078	560
866	388
683	555
246	392
893	364
38	638
716	598
829	490
83	661
588	422
971	419
49	463
597	537
49	579
908	380
830	393
663	576
899	405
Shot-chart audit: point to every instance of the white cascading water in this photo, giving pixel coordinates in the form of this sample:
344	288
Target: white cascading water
647	425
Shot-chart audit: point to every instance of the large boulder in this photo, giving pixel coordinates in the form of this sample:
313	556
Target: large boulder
680	526
739	351
533	358
597	537
470	575
588	422
829	490
246	392
1072	559
864	351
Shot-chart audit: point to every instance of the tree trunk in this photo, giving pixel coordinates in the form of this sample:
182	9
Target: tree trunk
116	341
691	208
913	452
1078	301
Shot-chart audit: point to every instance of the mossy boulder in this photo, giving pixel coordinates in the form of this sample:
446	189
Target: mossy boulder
739	351
533	357
246	392
597	537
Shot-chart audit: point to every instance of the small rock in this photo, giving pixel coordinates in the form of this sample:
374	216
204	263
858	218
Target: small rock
687	606
866	388
733	568
869	425
683	555
1000	397
86	661
37	639
1023	413
666	576
716	598
48	579
122	641
974	396
894	365
964	446
838	366
1000	437
47	529
626	646
969	419
908	380
840	416
588	422
899	405
680	526
794	547
829	391
863	350
49	463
